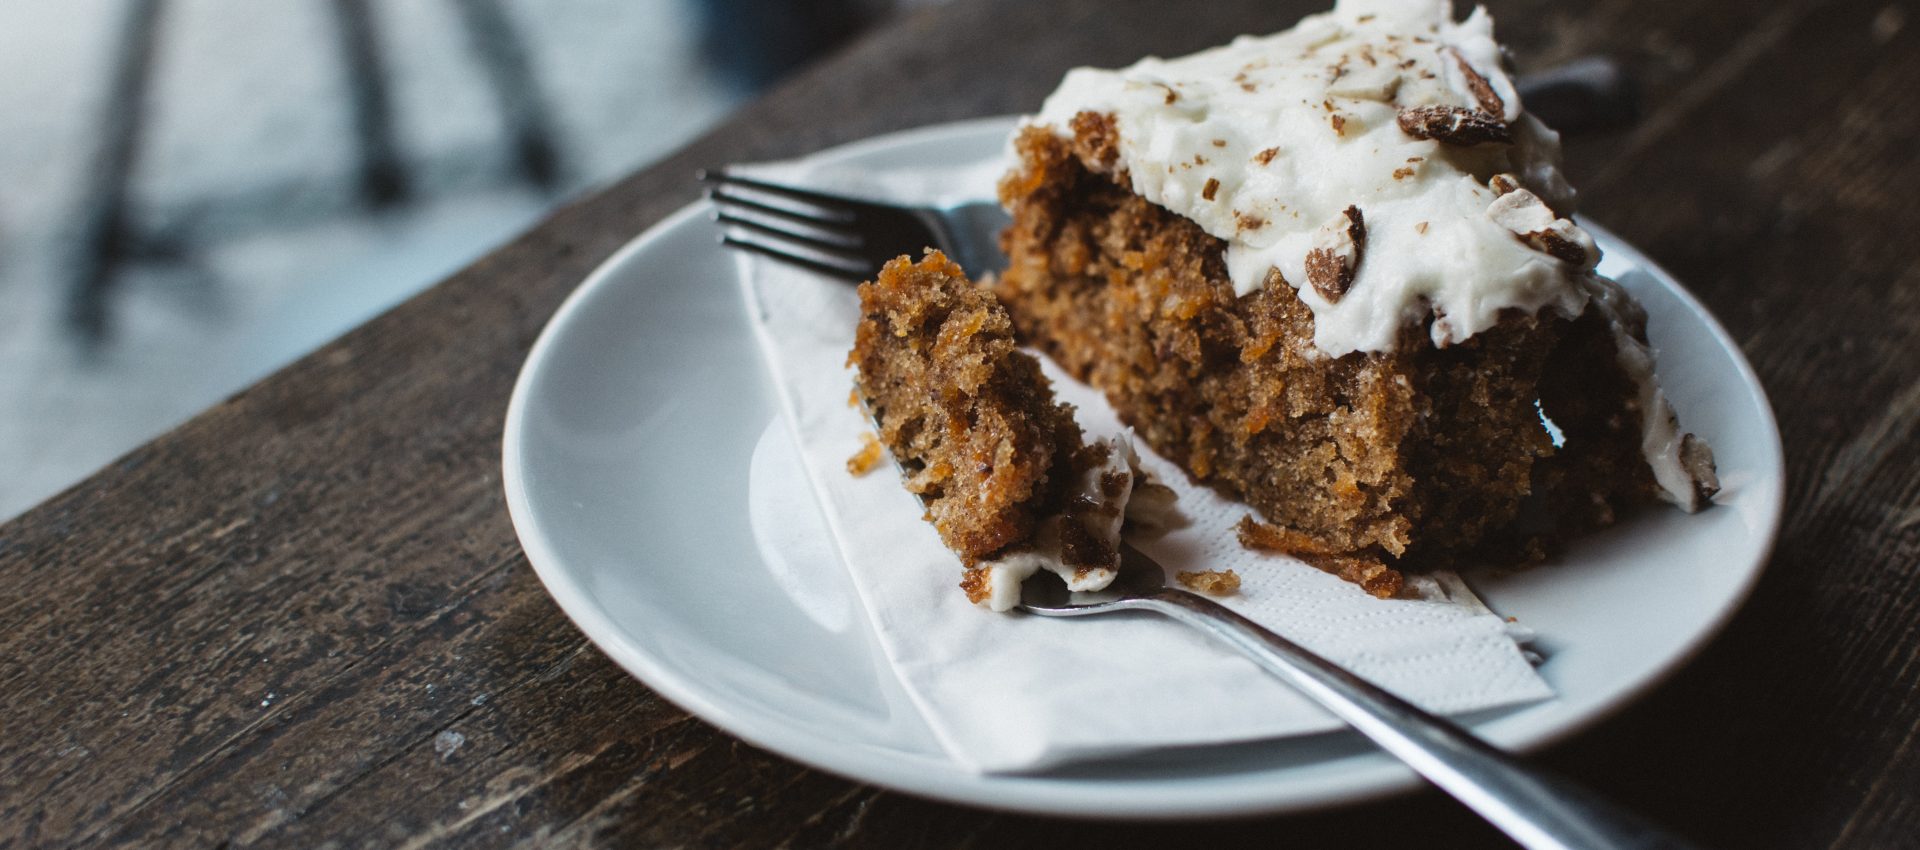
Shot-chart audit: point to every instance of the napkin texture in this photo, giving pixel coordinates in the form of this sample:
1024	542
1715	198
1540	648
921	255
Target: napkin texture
1010	692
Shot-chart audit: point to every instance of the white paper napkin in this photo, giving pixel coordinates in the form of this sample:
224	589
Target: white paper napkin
1009	692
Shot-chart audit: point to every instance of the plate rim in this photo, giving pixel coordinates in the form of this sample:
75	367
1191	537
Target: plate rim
1044	794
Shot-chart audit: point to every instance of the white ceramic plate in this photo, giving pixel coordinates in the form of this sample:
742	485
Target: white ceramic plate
632	435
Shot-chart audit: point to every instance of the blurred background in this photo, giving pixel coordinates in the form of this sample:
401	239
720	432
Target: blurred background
194	193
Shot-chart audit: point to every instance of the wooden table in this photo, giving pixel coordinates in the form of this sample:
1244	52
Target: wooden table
302	619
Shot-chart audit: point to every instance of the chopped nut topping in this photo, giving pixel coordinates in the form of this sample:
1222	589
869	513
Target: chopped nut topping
1503	183
1483	93
1213	186
1454	125
1420	228
1335	259
1558	246
1339	123
1266	156
1371	83
1402	173
1522	212
1696	457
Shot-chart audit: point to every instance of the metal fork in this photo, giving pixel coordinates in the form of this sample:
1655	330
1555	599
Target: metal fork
852	238
1532	806
847	237
1535	808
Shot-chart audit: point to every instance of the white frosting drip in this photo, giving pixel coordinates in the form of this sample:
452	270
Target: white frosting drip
1265	141
1006	574
1661	439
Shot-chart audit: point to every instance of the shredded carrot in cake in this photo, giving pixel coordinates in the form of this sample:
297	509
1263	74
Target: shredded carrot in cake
867	457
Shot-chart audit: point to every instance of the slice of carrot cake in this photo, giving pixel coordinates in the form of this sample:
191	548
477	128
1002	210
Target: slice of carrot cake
1001	467
1332	272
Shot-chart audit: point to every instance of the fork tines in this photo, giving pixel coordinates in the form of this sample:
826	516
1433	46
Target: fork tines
836	236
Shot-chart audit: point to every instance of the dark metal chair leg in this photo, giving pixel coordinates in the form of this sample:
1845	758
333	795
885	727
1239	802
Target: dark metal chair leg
504	57
104	237
383	174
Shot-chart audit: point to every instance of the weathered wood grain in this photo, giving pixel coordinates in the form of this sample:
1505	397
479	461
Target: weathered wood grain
302	619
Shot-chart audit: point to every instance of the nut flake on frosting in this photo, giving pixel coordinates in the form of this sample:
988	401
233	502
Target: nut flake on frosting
1387	107
1335	257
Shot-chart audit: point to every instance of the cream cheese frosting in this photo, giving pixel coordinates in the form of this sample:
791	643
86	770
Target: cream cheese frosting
1682	464
1267	142
1378	159
1119	492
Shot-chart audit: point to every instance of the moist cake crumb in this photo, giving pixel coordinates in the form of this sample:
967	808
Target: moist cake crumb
1002	469
975	585
1373	576
969	417
1210	582
864	460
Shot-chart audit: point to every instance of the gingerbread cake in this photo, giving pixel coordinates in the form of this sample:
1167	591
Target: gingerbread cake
1003	471
1332	272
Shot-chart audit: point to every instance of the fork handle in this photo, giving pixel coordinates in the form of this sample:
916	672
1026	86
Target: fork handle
1533	807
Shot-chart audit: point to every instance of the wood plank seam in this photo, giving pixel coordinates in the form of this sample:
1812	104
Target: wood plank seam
279	710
